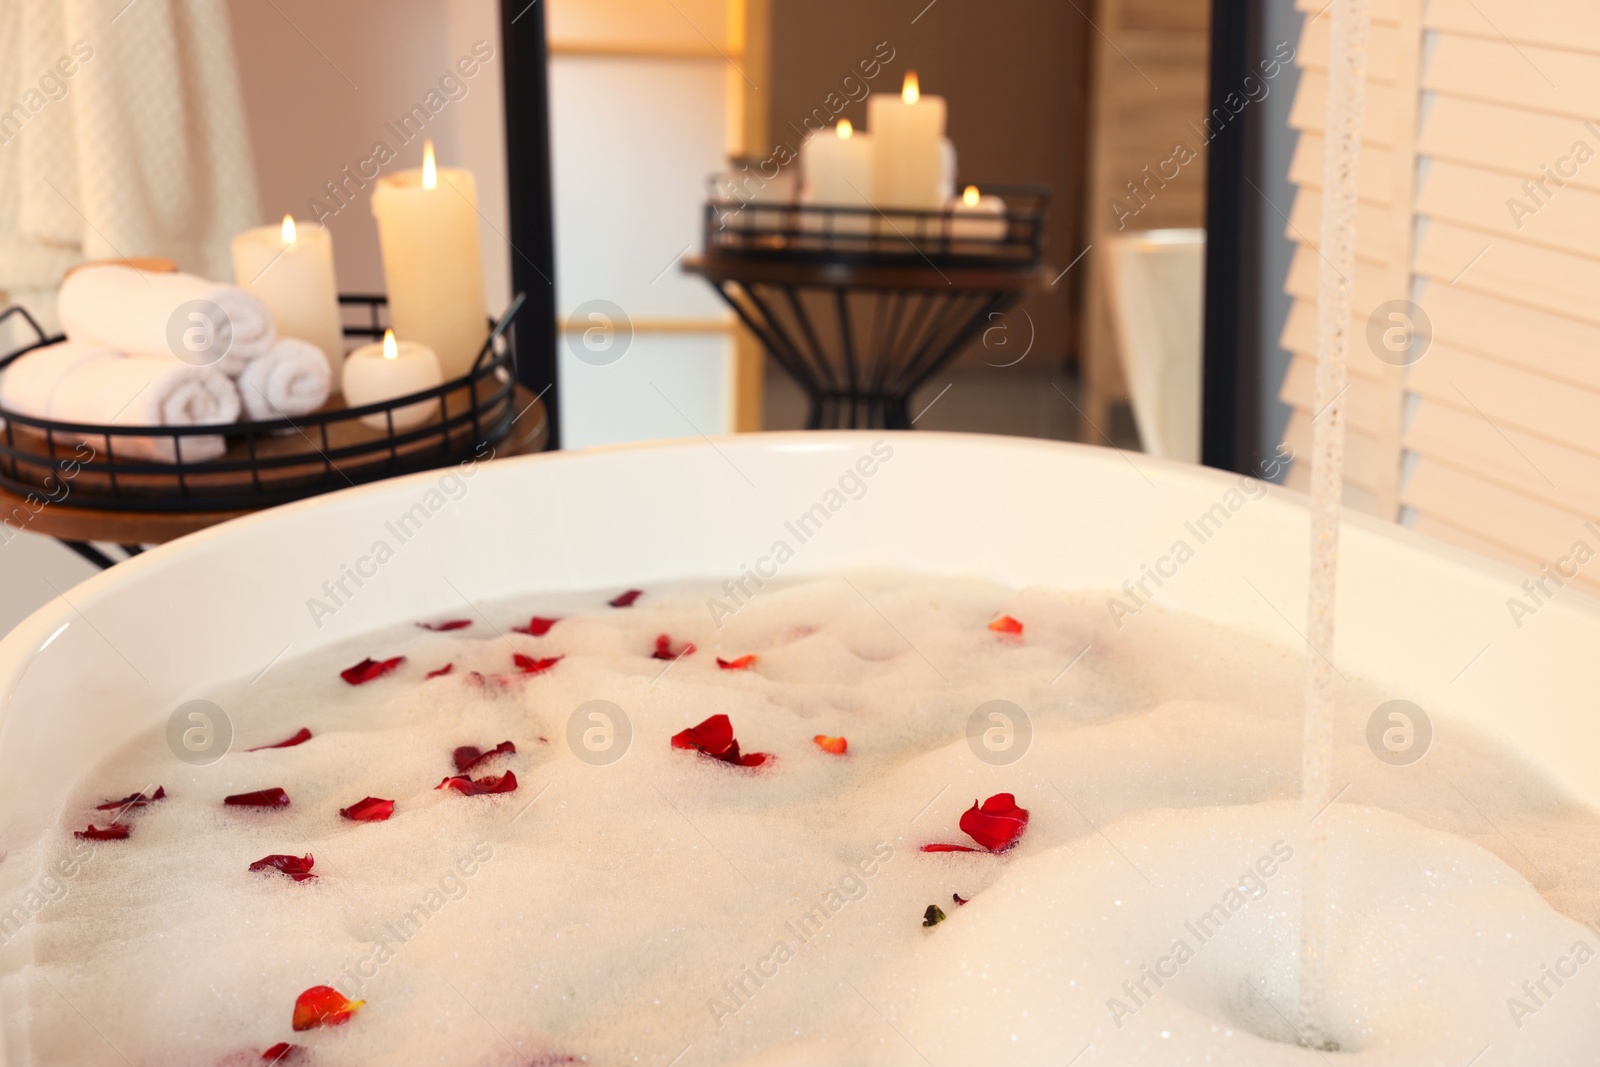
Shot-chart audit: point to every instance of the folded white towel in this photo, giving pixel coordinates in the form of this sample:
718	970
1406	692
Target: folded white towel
73	382
147	314
289	380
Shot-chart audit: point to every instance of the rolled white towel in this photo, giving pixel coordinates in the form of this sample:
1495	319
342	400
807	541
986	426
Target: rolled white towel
145	314
290	380
74	382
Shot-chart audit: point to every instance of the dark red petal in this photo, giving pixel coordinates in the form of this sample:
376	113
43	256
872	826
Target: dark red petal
447	626
372	809
997	823
282	1052
529	665
713	737
1005	624
664	648
115	832
368	669
441	672
626	599
133	800
261	798
300	738
323	1005
751	759
469	756
958	898
537	626
296	867
741	664
948	848
501	783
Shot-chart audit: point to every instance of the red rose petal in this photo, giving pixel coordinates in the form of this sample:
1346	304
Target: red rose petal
447	626
836	746
371	809
469	756
537	626
711	737
323	1005
714	738
115	832
741	664
997	823
133	800
282	1052
368	669
1005	624
261	798
626	600
958	898
300	738
949	848
441	672
502	783
529	665
296	867
664	649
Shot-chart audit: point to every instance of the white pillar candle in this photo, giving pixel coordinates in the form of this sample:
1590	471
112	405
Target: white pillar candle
838	172
290	267
428	230
977	217
379	372
907	148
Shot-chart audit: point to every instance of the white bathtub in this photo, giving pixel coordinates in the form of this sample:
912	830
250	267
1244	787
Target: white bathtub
125	648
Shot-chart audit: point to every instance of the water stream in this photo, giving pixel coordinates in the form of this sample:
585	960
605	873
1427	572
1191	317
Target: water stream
1347	70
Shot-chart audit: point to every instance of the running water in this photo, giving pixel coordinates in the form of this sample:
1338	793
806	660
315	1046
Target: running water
1347	74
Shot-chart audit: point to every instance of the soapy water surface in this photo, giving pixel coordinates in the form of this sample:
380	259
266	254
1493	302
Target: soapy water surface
637	907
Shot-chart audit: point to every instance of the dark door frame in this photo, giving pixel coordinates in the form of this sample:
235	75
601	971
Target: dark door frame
1230	421
529	199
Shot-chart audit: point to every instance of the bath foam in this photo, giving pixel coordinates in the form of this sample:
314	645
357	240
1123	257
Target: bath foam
1432	938
635	909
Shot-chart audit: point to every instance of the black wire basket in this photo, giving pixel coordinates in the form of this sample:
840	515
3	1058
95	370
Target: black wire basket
266	462
870	235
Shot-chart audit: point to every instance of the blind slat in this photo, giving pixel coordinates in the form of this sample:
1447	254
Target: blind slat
1553	345
1542	469
1513	397
1571	24
1558	282
1311	105
1567	219
1375	178
1521	75
1507	140
1374	230
1369	408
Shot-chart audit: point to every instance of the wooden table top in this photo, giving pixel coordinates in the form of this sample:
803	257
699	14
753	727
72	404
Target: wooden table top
529	433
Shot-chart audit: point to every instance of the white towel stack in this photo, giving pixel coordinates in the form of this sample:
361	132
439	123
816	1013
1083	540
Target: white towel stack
126	361
76	382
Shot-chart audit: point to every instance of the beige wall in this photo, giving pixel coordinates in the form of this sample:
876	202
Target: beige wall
323	80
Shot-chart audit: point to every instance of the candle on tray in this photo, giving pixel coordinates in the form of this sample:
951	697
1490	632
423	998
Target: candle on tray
838	171
428	230
378	372
908	156
977	217
290	268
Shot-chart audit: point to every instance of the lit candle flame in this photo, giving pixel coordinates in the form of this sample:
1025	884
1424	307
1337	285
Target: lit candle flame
911	92
288	229
846	131
969	196
430	170
390	349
